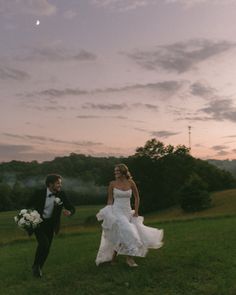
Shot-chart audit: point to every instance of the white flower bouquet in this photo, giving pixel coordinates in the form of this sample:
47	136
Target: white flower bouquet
28	219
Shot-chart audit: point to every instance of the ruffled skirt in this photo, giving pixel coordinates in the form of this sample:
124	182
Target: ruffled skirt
125	234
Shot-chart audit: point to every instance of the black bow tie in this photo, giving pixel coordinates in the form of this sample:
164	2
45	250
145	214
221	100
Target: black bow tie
51	195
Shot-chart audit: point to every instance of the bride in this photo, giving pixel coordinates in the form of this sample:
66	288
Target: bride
123	230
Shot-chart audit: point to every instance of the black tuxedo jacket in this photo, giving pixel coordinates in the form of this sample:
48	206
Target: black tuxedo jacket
37	202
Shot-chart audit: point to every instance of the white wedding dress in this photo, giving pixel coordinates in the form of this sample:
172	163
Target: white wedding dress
123	233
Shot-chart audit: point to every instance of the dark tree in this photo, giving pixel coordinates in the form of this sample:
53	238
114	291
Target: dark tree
5	197
194	195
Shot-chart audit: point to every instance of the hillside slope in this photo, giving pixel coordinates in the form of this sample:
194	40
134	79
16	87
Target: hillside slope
223	204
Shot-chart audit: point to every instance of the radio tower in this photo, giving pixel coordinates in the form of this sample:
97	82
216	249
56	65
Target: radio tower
189	138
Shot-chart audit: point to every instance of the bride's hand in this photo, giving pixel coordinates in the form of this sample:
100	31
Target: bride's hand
135	215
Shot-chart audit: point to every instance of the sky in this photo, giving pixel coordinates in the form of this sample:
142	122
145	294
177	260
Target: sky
101	77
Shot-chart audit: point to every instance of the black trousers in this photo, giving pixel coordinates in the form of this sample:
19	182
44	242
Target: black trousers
44	235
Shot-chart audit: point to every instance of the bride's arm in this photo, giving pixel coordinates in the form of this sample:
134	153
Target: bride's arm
136	197
110	194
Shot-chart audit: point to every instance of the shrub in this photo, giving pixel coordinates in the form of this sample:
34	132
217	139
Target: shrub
194	195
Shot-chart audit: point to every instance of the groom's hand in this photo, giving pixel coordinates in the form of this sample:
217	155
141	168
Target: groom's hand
66	212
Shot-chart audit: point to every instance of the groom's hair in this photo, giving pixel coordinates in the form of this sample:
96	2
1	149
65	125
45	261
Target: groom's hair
52	178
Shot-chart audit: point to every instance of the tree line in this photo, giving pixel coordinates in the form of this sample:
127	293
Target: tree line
228	165
165	175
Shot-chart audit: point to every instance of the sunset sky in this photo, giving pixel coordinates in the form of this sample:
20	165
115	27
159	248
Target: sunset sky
101	77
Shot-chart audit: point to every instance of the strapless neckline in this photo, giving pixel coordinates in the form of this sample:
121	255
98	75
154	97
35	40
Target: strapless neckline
122	189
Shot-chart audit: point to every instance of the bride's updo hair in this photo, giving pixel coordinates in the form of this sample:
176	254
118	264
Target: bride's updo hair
124	170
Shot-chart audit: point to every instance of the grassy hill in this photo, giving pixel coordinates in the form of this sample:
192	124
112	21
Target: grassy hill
198	258
223	204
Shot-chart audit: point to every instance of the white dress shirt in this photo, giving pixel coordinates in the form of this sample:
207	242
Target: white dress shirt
49	205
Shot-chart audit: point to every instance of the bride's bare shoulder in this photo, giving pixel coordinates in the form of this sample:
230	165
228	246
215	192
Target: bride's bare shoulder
132	183
112	183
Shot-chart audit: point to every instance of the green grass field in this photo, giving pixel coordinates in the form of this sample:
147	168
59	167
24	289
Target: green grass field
198	257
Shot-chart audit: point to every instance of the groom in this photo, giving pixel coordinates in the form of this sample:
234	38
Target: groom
49	203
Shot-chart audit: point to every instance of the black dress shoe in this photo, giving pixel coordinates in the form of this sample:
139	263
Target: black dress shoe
37	271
